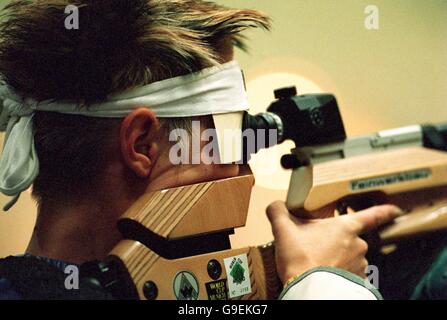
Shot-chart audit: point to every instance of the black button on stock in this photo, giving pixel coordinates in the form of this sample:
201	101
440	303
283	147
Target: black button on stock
214	269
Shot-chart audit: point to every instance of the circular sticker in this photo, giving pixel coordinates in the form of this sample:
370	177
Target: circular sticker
185	286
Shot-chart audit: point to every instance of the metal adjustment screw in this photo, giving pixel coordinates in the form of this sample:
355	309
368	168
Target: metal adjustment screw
150	290
214	269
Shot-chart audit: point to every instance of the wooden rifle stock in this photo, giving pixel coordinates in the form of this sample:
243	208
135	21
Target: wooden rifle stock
186	229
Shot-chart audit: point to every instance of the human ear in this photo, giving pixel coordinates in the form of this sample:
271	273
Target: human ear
138	141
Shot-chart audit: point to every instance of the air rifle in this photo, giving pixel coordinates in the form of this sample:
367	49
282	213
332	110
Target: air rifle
176	241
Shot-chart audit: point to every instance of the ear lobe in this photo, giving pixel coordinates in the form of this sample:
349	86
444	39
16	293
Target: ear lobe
138	141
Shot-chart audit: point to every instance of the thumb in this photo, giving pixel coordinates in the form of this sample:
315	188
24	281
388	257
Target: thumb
279	216
374	217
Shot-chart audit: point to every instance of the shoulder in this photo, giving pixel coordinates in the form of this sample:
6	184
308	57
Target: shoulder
7	291
36	278
29	277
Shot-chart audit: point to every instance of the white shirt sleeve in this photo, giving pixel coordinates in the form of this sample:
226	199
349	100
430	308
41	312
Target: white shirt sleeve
330	284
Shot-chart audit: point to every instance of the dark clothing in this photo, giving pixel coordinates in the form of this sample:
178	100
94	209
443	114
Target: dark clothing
417	269
433	285
36	278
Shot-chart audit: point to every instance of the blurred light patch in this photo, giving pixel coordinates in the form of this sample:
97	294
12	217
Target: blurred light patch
266	163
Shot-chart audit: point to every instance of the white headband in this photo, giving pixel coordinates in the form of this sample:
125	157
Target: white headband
216	90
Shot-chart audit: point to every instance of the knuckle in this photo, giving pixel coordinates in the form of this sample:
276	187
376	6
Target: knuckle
377	211
386	210
350	225
275	206
363	247
365	264
379	214
346	243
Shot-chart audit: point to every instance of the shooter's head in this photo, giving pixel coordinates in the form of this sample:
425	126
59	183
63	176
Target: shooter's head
119	45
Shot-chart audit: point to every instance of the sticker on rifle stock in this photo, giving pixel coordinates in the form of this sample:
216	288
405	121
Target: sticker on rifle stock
217	290
401	177
186	286
238	274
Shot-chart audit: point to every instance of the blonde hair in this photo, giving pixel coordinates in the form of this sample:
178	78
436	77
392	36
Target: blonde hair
120	44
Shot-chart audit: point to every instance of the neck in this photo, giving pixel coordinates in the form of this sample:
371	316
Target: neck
76	234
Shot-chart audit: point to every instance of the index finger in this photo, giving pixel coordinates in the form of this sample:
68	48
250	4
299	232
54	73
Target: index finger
374	217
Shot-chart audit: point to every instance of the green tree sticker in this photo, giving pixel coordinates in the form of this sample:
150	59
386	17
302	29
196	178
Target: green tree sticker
238	273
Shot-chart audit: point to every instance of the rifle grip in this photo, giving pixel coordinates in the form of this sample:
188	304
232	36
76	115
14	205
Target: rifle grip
268	277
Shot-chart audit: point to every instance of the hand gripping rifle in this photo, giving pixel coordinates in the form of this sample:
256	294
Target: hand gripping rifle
176	241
